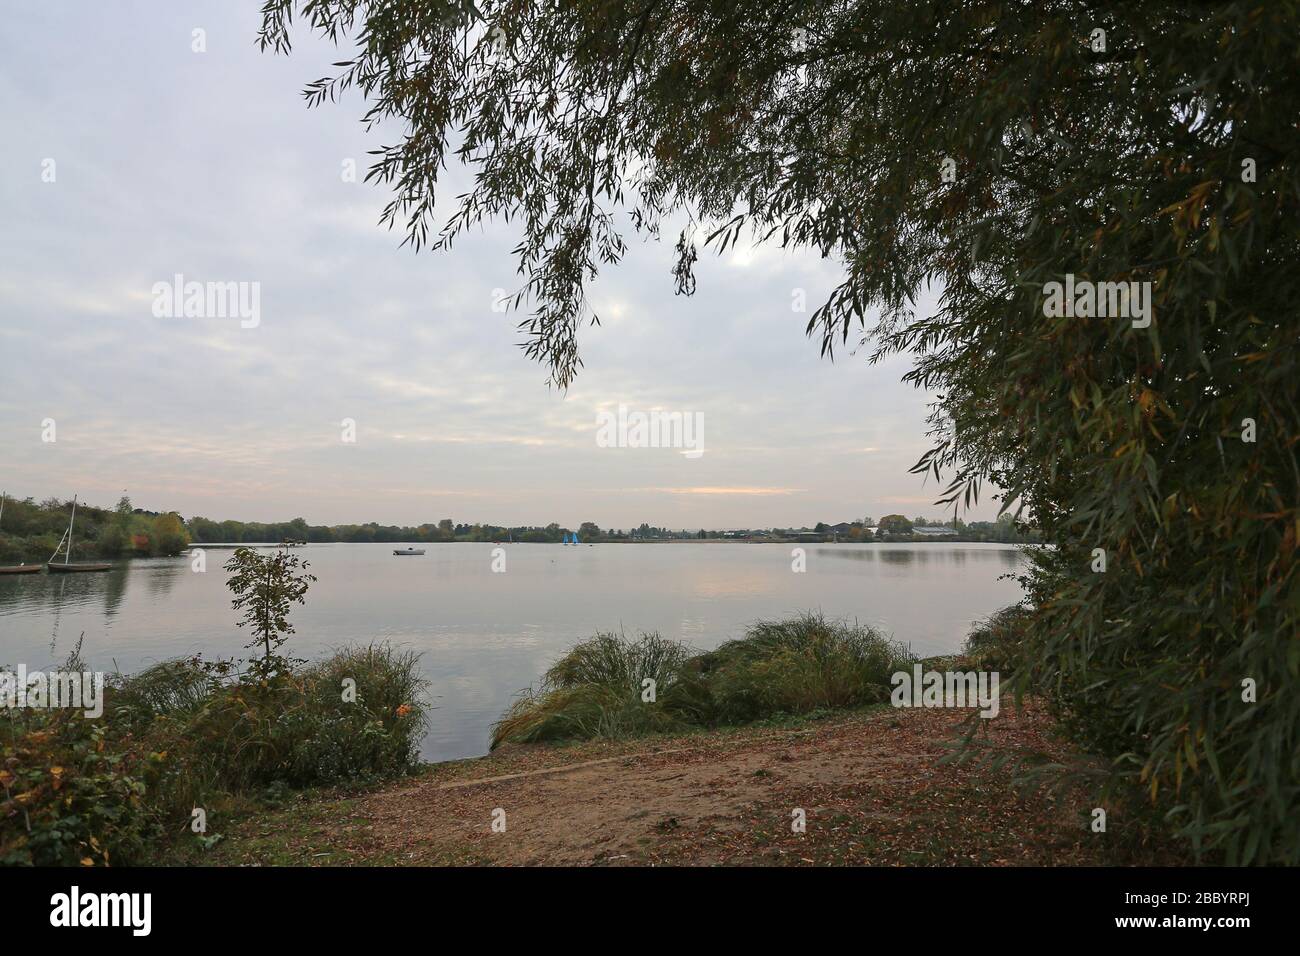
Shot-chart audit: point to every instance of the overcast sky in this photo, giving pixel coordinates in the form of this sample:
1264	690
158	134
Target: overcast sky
209	165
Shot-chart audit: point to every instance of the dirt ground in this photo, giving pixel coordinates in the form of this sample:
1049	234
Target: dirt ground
870	787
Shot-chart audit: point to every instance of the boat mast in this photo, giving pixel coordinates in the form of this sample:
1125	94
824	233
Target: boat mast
67	554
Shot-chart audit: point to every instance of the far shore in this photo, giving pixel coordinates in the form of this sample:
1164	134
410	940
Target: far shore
762	540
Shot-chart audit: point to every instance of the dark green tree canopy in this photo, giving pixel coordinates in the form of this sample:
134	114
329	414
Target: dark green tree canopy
986	149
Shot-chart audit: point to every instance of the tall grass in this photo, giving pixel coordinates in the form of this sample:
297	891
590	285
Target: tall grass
778	667
795	666
597	690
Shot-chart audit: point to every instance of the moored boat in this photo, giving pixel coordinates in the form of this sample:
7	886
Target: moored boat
69	568
66	566
408	551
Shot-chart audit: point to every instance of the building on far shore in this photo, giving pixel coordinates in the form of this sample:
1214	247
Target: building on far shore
931	531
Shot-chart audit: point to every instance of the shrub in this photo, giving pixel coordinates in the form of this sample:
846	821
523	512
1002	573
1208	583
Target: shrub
791	667
797	666
997	643
187	733
67	799
595	690
71	792
168	534
297	729
378	735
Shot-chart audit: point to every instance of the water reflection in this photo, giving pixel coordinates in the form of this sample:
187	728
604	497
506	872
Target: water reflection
736	583
58	592
161	580
483	636
1007	555
115	590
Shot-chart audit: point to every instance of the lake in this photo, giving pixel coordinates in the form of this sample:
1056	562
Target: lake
486	635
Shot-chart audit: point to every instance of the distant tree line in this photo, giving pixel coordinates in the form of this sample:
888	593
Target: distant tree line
30	531
1005	530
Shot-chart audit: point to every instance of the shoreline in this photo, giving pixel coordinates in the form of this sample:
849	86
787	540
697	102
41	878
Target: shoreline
873	786
322	544
124	560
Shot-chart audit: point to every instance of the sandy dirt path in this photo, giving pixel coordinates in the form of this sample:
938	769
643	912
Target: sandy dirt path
728	799
872	788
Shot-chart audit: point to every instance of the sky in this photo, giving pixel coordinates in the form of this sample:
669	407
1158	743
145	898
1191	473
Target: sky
130	158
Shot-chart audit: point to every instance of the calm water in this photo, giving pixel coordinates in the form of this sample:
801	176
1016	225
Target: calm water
484	635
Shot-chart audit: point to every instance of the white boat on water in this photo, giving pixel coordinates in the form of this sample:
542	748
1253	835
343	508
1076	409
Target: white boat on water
408	551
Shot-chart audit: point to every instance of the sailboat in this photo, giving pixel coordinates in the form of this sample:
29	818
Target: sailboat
15	568
66	567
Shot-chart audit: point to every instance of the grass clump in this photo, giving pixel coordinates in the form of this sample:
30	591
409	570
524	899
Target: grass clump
799	666
794	667
597	689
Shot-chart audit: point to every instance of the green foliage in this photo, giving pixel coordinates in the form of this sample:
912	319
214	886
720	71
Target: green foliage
1167	155
894	524
168	534
596	690
30	531
185	734
72	793
66	798
297	730
112	541
377	735
794	667
997	643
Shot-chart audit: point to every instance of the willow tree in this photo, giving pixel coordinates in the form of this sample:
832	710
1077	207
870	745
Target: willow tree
987	149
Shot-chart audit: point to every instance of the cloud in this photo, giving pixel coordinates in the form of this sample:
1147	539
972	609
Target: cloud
721	491
222	174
